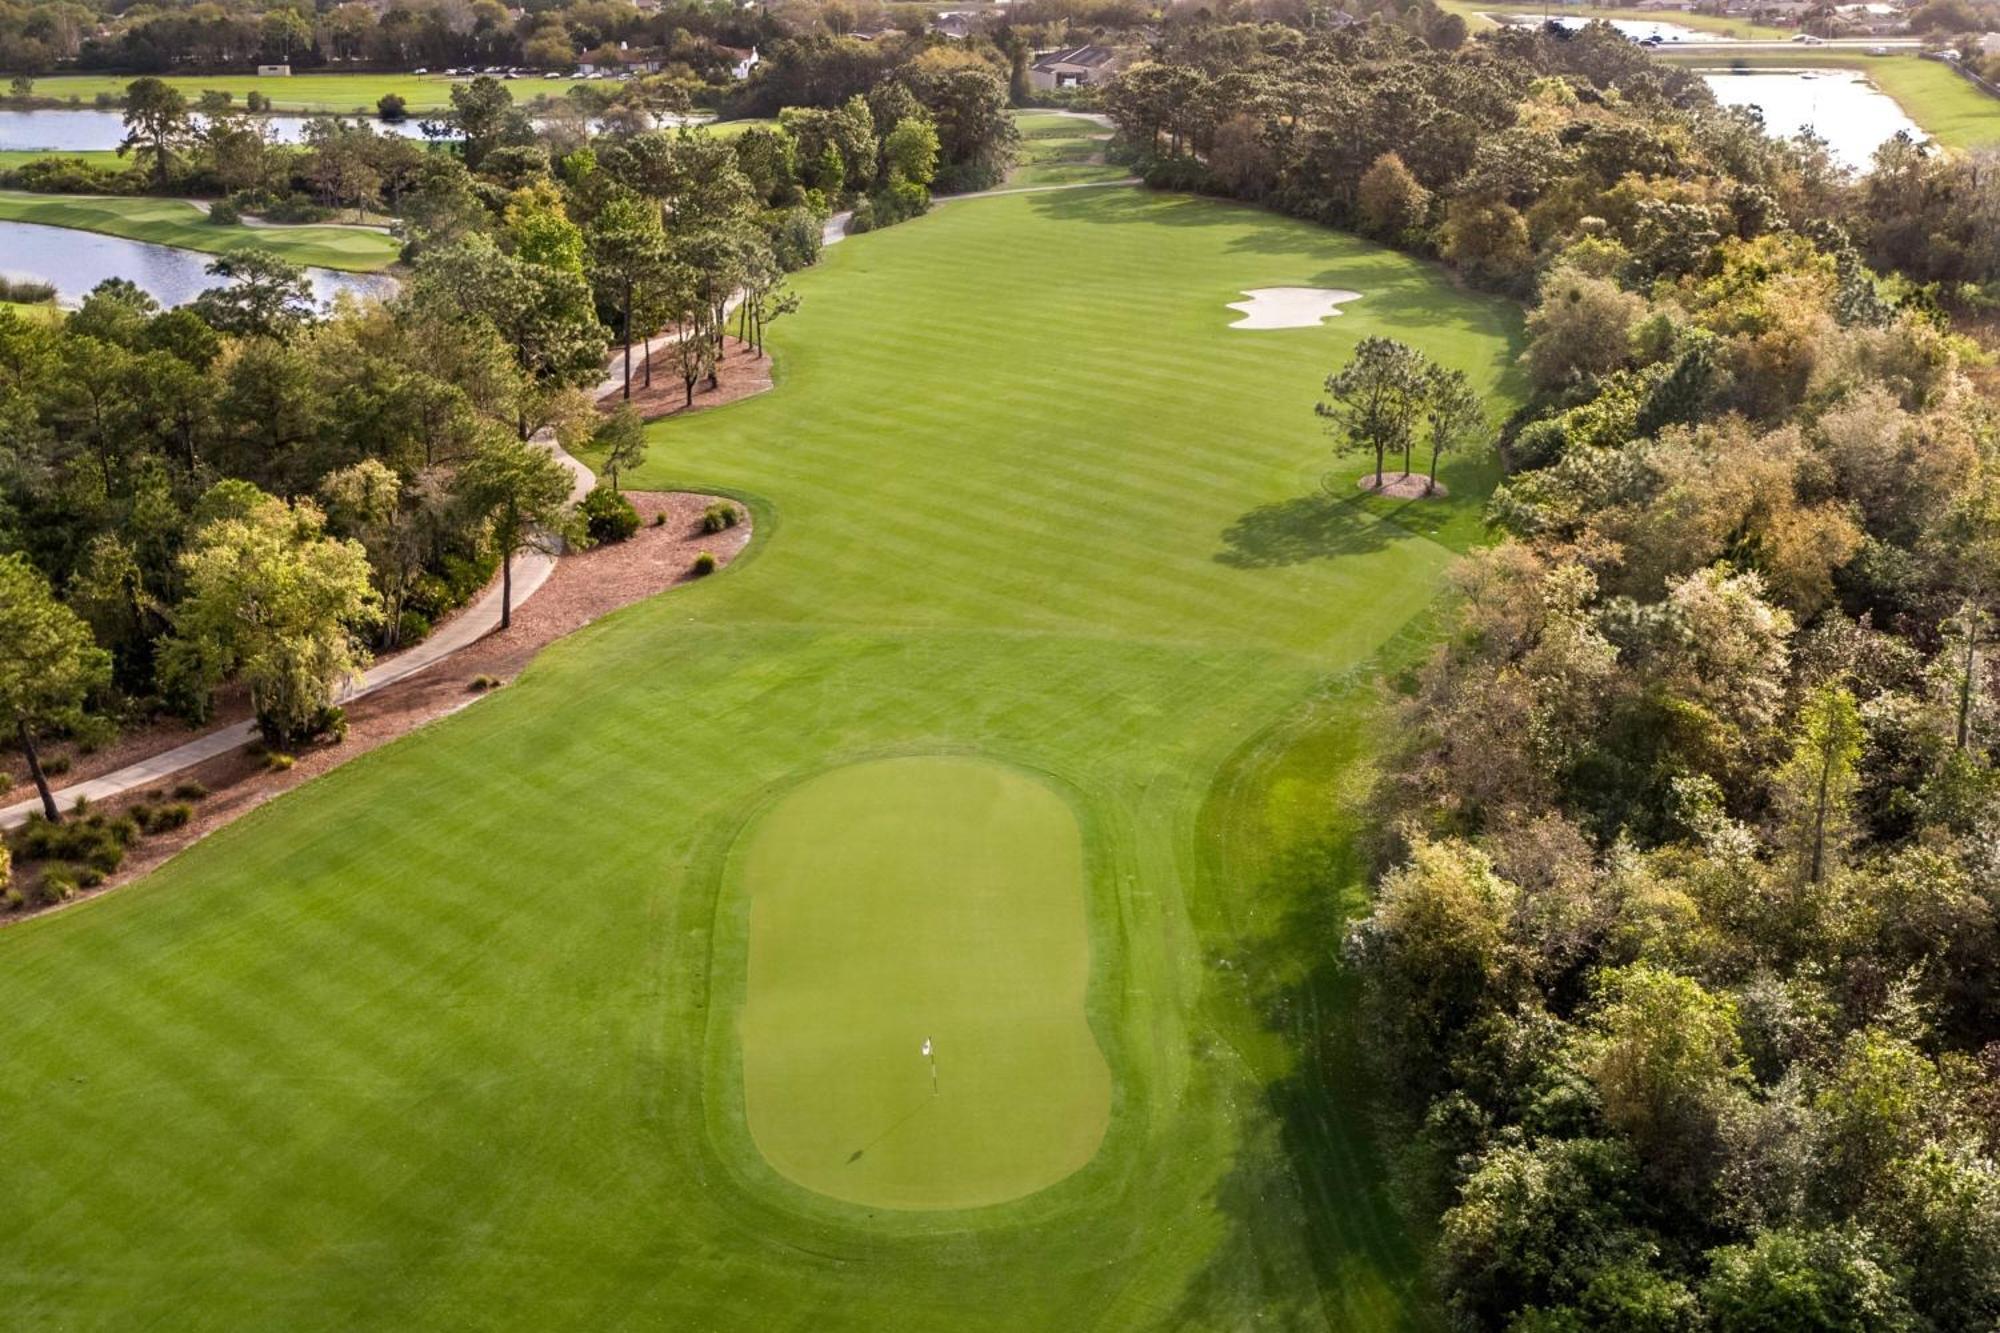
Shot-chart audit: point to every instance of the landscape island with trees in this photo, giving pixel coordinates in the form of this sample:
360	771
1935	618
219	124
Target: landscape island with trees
1639	962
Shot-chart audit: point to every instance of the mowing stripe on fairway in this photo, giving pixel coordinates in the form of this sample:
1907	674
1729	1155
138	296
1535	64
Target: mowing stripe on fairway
901	902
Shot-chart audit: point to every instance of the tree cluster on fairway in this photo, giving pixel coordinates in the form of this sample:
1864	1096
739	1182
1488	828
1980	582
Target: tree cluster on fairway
1390	398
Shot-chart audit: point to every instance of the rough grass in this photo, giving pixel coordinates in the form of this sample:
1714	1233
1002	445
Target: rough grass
449	1037
176	222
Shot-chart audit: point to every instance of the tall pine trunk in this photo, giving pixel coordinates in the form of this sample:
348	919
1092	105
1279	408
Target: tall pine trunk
49	808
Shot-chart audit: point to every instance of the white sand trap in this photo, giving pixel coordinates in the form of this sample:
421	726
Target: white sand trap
1289	307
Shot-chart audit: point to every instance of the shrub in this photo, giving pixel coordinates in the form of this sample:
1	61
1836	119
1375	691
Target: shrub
153	819
412	627
659	520
224	214
68	175
56	765
12	899
257	102
482	683
608	516
188	791
704	563
96	841
6	869
277	761
26	291
392	106
58	884
720	515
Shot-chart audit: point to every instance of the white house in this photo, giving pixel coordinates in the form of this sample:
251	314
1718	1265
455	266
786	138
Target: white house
741	61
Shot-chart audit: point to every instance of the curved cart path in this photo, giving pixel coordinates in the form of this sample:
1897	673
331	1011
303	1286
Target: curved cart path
531	571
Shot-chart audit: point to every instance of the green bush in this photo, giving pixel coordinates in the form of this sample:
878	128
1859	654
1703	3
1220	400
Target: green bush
482	683
659	520
720	515
153	819
277	761
392	106
608	516
58	884
56	765
412	627
704	563
69	175
98	841
224	214
188	791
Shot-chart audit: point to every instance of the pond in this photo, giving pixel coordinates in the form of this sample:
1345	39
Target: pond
1638	30
83	131
76	261
1839	105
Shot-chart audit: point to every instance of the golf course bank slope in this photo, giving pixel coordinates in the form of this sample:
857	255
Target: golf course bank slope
449	1038
914	1033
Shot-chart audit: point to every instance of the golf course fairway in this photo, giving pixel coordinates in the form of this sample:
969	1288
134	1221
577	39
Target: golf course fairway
904	903
483	1029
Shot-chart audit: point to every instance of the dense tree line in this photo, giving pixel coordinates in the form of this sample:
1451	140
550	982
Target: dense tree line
1683	969
208	39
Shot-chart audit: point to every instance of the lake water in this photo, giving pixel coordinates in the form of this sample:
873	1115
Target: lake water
1637	29
1839	105
90	131
76	261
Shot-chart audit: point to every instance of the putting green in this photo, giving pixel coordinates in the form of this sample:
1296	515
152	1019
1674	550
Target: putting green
909	900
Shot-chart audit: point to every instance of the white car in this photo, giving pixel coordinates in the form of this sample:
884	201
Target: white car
1808	39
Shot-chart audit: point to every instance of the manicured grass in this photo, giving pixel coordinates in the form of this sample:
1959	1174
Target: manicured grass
20	157
1949	109
1061	150
453	1036
932	898
176	222
43	310
1740	29
346	93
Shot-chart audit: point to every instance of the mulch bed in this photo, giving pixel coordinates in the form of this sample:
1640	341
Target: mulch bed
739	374
584	587
1404	486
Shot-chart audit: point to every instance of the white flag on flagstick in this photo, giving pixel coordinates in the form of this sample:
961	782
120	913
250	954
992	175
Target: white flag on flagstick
927	1046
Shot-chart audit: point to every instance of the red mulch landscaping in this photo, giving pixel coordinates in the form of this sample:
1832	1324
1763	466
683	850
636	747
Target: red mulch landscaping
739	374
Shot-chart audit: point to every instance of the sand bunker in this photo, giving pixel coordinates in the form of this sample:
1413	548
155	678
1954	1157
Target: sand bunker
1289	307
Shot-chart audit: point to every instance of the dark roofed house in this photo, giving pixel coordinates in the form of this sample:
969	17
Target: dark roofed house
1075	67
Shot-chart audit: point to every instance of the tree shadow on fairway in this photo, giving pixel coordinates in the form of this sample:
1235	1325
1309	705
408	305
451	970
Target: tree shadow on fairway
1307	527
1314	1239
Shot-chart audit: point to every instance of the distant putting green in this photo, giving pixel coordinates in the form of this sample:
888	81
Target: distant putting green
179	223
910	901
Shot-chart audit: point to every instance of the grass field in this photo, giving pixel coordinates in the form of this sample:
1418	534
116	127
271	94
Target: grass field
1740	29
45	310
175	222
1948	108
347	93
462	1034
1061	150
